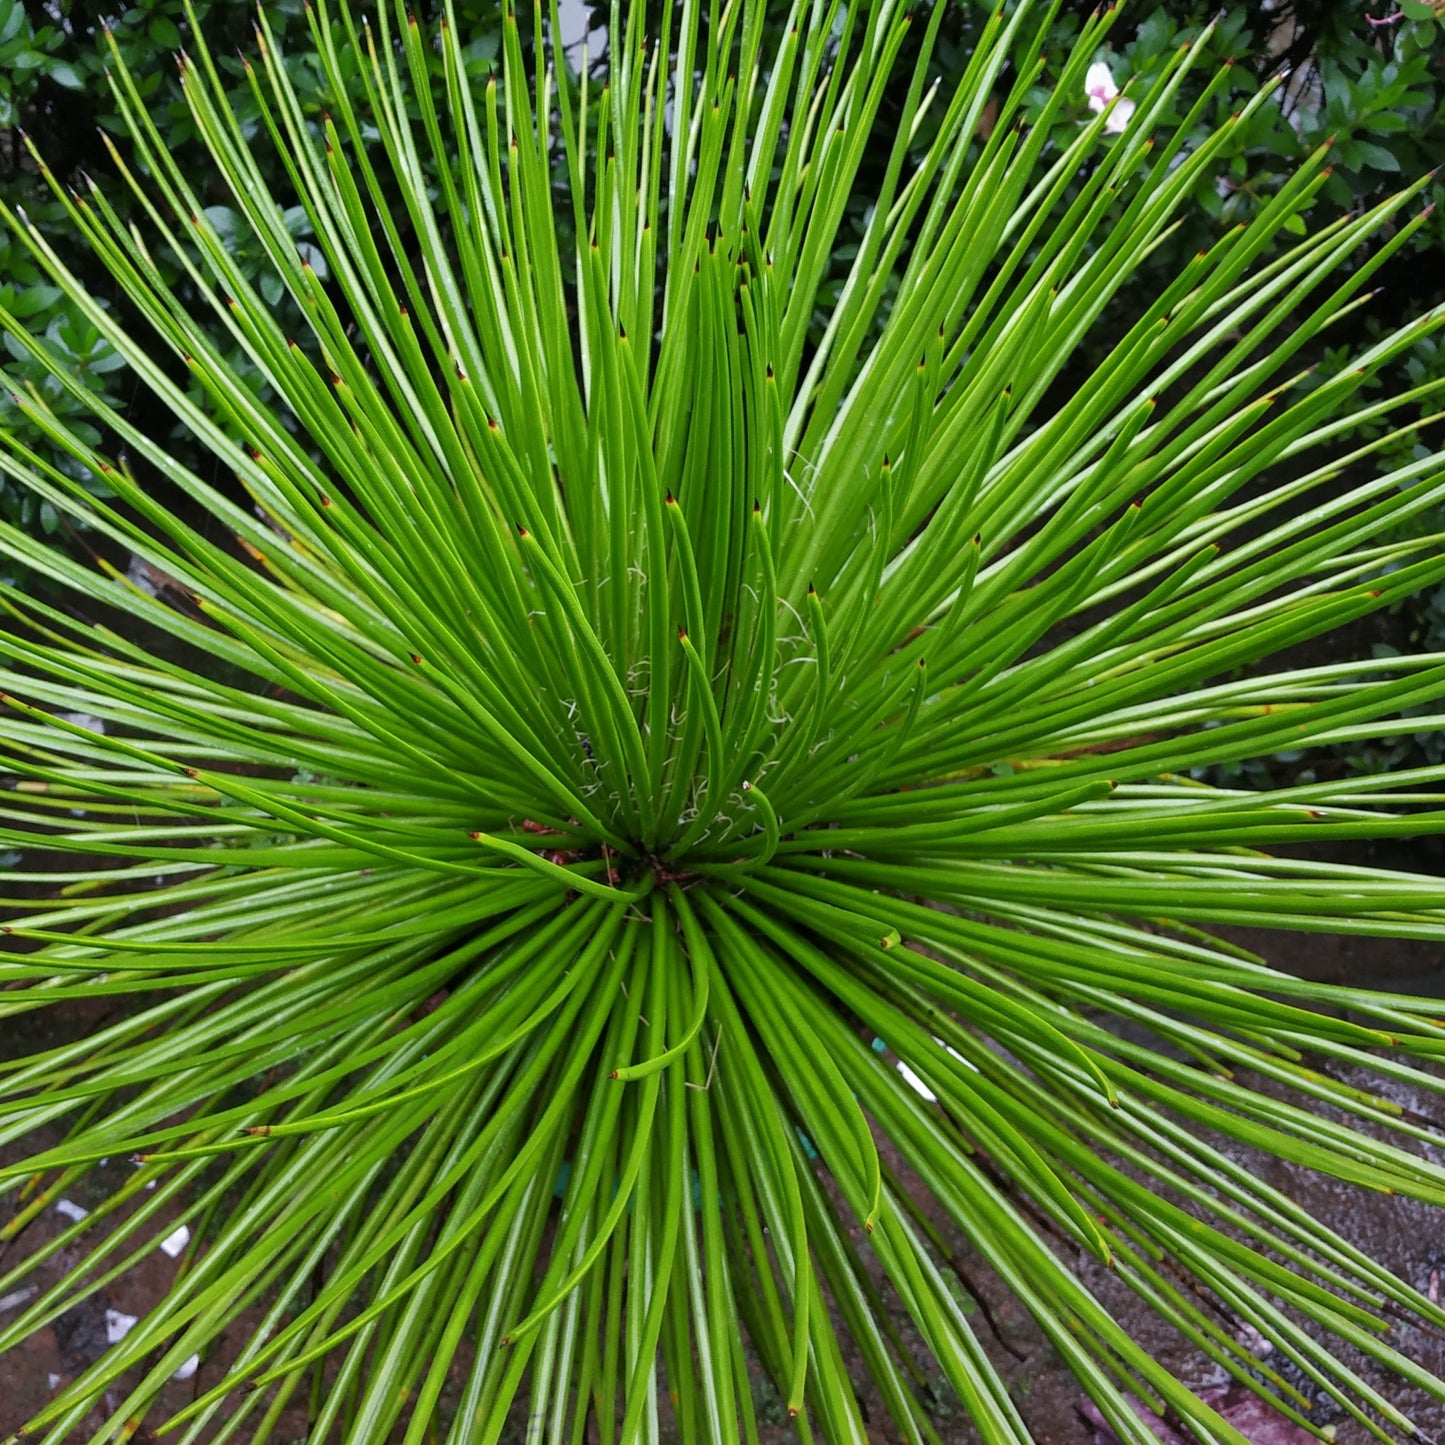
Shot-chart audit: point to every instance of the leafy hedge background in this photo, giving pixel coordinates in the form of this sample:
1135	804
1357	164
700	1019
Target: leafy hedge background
1367	78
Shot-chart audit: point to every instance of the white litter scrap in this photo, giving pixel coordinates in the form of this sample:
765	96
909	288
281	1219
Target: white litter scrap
188	1369
139	572
915	1083
54	1382
175	1242
86	720
118	1326
15	1300
69	1210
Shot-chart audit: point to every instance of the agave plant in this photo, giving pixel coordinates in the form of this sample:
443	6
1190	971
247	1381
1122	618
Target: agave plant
614	698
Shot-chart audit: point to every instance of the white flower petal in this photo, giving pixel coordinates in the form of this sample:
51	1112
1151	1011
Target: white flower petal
176	1241
1099	85
118	1326
1120	114
69	1210
188	1369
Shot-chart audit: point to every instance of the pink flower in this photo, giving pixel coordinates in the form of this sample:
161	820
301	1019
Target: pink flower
1103	94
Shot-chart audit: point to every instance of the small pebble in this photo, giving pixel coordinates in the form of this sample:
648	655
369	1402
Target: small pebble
118	1326
1254	1342
188	1369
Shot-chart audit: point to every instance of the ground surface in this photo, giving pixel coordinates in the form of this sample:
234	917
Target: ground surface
1409	1238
